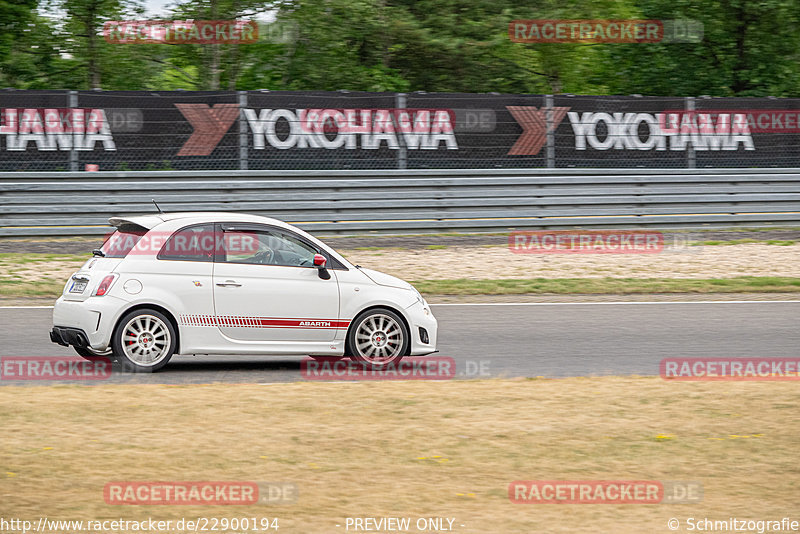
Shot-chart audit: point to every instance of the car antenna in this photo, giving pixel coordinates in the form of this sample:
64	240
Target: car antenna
154	202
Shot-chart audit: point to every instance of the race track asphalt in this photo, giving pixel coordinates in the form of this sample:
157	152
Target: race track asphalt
505	340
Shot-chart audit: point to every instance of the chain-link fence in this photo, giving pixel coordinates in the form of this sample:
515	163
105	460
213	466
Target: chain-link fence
282	130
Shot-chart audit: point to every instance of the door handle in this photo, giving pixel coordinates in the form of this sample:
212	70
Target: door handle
229	283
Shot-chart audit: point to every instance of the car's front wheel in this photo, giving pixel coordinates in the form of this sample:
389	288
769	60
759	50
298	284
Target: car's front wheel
378	337
144	341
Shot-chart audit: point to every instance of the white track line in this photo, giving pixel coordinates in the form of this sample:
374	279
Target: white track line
619	303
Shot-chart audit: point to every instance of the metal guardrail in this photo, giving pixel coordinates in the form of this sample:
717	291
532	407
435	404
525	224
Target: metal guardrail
327	202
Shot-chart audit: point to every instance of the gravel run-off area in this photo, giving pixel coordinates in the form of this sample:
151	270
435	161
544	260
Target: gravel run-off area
490	262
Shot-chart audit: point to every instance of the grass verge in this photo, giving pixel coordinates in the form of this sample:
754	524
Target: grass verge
778	242
47	288
36	275
425	450
609	286
18	258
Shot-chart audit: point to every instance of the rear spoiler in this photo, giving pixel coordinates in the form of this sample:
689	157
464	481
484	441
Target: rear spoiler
143	221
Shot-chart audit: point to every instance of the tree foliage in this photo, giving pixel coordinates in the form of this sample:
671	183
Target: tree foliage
748	49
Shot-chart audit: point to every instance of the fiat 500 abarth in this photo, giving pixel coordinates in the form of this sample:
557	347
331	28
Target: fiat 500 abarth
224	283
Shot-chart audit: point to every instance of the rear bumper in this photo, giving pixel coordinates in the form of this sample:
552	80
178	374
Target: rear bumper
93	318
69	336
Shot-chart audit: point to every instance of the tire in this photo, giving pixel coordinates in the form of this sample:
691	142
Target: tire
378	337
144	341
92	355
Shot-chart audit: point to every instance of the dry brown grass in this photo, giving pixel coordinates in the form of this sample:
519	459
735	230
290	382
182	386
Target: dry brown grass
751	267
356	449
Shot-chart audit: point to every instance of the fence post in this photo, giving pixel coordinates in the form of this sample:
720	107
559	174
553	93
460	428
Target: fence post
242	131
72	103
550	135
691	159
402	155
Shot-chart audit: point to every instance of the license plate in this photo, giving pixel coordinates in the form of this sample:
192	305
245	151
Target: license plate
78	287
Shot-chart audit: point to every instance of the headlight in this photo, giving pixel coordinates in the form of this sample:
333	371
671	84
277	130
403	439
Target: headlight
418	294
422	301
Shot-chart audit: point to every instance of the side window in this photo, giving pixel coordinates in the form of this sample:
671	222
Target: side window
193	243
266	247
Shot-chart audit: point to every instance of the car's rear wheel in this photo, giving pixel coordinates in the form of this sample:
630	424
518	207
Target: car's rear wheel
378	337
92	355
144	341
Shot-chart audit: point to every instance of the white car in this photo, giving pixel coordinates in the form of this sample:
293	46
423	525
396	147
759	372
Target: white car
226	283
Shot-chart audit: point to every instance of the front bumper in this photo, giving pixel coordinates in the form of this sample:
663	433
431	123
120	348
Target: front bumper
420	316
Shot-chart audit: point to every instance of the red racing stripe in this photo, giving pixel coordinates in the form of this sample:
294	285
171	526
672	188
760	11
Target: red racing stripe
235	321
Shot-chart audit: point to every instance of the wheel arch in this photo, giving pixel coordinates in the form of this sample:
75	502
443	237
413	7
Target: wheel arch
168	314
380	307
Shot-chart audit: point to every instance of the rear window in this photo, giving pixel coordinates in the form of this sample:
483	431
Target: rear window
192	243
123	240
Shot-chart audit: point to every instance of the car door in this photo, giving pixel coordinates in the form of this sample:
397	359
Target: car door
266	287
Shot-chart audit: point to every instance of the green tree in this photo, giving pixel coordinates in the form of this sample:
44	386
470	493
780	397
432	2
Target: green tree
220	66
16	17
748	49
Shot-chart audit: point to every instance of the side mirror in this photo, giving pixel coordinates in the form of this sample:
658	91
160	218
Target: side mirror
319	263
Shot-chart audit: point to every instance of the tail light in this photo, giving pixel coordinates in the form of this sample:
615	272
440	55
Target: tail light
105	285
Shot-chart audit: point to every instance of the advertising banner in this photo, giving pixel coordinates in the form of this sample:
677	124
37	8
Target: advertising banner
282	130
